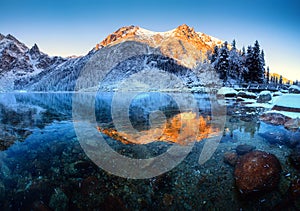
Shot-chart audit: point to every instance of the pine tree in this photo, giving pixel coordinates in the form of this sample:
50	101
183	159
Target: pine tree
255	63
233	44
248	63
262	58
243	51
280	79
215	54
258	63
268	75
222	63
235	63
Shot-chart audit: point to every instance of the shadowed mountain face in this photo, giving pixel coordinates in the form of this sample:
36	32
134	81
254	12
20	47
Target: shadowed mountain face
149	72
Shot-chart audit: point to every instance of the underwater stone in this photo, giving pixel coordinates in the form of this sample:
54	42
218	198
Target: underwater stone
293	124
276	137
274	118
2	190
168	199
244	148
294	192
59	200
294	157
230	158
89	185
113	203
257	171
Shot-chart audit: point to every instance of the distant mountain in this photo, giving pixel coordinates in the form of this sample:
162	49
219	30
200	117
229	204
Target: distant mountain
114	59
182	44
17	61
39	72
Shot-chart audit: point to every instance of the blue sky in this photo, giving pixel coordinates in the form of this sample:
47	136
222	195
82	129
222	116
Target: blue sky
73	27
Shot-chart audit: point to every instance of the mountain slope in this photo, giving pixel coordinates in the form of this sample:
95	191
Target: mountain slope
182	44
17	61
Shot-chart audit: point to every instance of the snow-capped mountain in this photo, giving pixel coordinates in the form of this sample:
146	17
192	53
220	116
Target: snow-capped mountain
182	44
17	61
22	68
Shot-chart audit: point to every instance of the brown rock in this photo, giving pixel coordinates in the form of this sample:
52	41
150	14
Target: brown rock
113	203
257	171
230	158
89	185
294	189
168	199
293	124
39	206
274	118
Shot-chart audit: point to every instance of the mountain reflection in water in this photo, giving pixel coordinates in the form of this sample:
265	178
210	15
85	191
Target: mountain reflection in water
182	129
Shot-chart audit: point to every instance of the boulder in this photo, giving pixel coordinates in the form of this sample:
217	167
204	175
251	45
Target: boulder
294	89
257	171
226	92
264	97
247	95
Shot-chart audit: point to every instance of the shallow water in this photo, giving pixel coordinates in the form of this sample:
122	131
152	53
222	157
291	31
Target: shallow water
45	163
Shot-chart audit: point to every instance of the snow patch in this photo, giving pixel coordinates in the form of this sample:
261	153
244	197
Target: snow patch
292	115
288	100
226	91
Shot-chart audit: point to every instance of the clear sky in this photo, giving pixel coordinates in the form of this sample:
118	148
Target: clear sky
73	27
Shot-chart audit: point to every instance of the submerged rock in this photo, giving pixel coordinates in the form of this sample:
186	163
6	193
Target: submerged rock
168	199
89	185
294	192
295	139
295	189
294	157
59	200
113	203
5	144
230	158
280	137
257	171
244	148
2	190
293	124
264	97
274	118
39	206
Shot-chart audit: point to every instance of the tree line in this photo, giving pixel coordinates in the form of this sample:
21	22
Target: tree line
241	66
